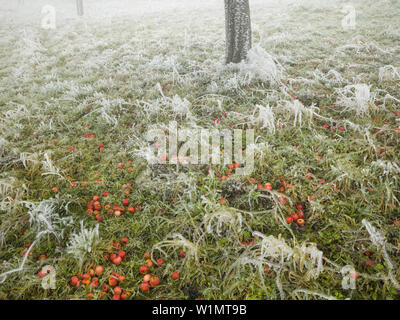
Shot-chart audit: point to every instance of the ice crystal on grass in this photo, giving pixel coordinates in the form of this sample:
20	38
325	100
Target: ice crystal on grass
233	83
163	106
332	77
5	187
223	221
29	159
83	242
388	73
259	66
278	255
379	241
3	144
180	106
389	168
390	97
164	63
110	109
375	236
262	66
44	218
265	116
178	241
356	98
153	108
49	168
10	195
297	109
17	113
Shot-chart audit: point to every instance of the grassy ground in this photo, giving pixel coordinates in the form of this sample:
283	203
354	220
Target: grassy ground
108	78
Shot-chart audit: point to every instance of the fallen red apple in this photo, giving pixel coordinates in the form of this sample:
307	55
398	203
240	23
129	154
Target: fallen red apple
149	263
144	286
147	278
86	282
99	270
301	222
74	281
117	260
154	281
122	254
143	270
117	290
160	262
112	281
116	245
268	186
85	276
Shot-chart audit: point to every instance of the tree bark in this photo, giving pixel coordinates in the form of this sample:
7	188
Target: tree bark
238	30
79	7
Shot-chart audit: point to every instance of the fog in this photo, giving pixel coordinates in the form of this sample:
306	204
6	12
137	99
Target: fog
28	11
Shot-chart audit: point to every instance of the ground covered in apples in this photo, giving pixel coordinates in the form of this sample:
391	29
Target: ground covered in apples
317	219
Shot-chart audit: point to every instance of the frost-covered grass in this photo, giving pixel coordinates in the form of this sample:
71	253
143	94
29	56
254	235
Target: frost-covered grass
324	104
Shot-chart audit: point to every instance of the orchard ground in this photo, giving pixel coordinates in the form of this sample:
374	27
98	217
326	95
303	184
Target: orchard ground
77	100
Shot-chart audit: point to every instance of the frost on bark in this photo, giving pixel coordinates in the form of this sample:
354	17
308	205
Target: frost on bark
79	7
238	30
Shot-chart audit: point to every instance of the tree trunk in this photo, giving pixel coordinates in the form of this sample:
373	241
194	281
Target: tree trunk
79	7
238	30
